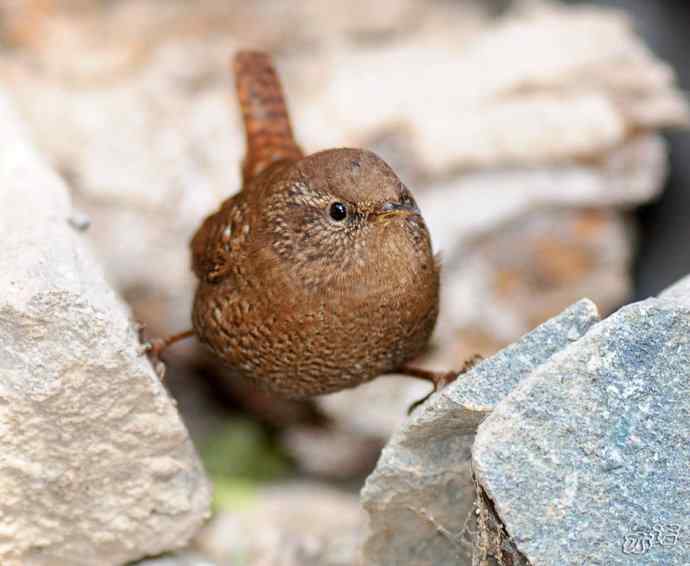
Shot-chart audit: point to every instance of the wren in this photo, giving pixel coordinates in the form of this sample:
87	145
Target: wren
319	274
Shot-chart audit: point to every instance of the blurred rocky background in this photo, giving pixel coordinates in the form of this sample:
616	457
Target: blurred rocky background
530	132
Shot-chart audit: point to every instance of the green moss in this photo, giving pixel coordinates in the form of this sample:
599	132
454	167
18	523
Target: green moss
238	458
233	493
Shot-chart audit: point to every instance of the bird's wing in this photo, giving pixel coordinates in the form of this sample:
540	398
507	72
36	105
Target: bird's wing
219	240
264	111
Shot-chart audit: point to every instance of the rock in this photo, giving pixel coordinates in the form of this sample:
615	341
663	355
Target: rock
491	546
331	453
95	464
679	292
564	253
420	496
586	461
528	108
630	174
294	524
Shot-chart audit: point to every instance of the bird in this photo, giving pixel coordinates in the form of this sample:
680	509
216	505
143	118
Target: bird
319	274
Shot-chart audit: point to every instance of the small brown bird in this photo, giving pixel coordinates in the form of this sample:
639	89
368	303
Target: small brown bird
319	275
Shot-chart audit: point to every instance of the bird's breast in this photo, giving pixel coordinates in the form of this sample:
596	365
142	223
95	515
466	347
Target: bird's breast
295	336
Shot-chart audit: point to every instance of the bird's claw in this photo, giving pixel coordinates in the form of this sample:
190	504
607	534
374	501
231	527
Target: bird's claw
441	380
143	348
446	379
470	363
152	349
159	368
418	402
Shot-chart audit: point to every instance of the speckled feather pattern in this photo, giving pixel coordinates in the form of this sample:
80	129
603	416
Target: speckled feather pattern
296	301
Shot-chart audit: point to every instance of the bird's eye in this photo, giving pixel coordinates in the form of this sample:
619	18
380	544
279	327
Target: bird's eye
338	211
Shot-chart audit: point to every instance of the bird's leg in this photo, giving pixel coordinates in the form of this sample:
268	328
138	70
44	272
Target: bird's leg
155	346
439	378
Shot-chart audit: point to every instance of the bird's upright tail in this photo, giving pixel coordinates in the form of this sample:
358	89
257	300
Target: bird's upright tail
265	115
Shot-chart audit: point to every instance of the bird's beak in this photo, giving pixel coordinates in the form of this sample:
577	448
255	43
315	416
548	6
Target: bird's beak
391	209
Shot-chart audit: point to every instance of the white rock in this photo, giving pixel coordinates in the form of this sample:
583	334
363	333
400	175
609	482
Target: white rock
95	465
629	175
549	86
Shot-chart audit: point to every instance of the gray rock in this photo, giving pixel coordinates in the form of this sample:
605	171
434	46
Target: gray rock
96	466
420	496
679	292
586	461
492	546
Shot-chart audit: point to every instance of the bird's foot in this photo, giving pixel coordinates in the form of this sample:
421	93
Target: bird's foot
440	379
152	348
155	346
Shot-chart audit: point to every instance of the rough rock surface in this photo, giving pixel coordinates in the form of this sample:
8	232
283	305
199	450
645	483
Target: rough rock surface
95	464
586	461
420	496
293	524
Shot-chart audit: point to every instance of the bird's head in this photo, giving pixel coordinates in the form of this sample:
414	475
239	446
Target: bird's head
343	215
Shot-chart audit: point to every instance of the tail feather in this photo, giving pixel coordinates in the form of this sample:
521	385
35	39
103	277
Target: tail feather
265	115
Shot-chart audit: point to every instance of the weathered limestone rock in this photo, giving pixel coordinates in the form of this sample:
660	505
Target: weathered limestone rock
586	461
420	496
95	465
